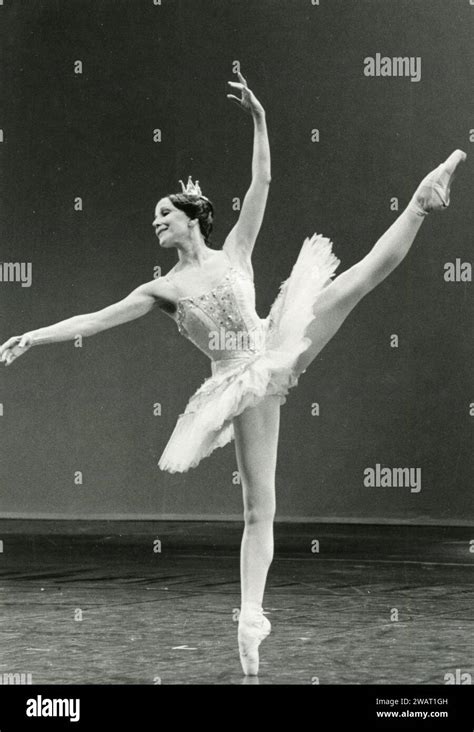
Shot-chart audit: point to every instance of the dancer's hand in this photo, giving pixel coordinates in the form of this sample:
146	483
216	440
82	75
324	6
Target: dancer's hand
248	102
14	347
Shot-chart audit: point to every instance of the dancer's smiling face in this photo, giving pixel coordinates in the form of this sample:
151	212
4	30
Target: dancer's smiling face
170	223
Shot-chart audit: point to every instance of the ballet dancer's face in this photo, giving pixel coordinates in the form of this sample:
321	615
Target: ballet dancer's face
171	224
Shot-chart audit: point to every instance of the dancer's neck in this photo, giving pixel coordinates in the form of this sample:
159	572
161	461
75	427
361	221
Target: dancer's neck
194	255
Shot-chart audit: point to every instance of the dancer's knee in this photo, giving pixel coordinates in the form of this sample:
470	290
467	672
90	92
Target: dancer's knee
259	511
347	290
258	517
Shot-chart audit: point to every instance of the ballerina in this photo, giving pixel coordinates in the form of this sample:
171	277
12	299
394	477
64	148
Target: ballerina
210	293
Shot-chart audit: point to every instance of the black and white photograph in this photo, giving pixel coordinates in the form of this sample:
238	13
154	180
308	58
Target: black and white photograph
236	345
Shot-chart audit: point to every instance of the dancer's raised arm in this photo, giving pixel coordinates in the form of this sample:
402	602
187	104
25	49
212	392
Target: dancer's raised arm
242	237
138	303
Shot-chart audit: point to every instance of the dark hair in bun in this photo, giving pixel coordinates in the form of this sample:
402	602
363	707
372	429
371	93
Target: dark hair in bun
196	207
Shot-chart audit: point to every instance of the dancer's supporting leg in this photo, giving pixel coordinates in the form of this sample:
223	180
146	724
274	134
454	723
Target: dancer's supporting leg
256	442
338	299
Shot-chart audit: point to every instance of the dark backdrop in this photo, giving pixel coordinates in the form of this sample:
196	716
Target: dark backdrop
145	67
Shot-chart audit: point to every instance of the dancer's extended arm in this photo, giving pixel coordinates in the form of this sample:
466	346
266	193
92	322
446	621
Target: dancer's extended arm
138	303
242	237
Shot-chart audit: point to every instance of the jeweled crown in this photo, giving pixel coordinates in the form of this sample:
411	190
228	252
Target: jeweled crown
192	189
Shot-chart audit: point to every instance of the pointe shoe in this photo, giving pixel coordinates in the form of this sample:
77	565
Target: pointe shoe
434	190
253	629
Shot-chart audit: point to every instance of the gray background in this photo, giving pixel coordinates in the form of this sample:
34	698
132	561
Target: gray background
147	67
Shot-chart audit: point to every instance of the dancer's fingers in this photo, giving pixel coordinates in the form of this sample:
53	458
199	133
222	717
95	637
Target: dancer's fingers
236	99
244	81
236	83
7	345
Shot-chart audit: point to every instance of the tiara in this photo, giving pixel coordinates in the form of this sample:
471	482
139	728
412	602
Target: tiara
192	189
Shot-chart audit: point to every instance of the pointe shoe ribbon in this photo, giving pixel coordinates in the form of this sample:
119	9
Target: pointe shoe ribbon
433	193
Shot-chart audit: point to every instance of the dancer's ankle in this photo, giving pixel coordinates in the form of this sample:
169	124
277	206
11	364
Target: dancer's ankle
250	609
414	208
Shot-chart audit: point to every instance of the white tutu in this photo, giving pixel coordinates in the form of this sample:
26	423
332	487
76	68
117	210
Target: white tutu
242	381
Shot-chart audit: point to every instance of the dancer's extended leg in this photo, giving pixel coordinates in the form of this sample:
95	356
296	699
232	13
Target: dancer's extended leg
338	299
256	441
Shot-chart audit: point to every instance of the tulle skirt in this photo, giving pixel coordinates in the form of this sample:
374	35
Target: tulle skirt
241	382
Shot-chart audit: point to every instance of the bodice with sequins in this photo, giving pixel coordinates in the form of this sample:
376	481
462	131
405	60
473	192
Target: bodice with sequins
222	322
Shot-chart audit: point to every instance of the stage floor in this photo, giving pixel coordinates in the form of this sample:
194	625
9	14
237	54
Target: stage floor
349	604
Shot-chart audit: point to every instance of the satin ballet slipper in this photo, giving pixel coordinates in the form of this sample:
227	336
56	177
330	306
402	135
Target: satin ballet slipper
253	629
433	193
